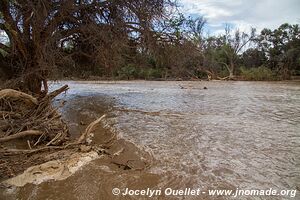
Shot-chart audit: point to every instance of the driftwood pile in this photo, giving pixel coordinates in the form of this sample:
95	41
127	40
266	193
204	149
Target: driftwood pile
32	131
35	120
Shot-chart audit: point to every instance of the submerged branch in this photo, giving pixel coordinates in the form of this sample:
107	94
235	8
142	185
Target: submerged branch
89	129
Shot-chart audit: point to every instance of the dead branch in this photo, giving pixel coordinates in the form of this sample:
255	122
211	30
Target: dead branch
29	151
14	94
89	129
223	78
53	94
21	135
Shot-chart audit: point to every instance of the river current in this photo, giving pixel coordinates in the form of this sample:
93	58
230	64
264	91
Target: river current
231	135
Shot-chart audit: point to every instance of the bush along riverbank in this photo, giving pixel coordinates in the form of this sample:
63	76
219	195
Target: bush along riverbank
260	73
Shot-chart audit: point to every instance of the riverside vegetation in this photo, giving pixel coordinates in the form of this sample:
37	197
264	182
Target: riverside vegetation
134	39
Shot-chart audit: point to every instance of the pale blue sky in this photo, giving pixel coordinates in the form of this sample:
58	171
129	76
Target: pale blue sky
243	14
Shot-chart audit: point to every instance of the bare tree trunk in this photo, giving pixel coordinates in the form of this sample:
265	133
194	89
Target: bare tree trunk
33	79
33	83
231	75
231	70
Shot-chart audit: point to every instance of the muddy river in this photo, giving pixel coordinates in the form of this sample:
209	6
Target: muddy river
231	135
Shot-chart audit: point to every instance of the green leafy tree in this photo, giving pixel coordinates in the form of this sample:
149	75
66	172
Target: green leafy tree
282	47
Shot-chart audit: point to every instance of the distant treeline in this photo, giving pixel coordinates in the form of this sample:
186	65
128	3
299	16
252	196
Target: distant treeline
134	39
186	54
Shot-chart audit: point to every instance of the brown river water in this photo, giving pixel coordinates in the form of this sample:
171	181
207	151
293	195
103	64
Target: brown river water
231	135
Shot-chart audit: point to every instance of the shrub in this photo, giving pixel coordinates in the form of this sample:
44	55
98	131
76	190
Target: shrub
223	72
128	72
154	73
261	73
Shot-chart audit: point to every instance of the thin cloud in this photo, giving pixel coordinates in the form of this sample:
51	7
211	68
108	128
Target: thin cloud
243	14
